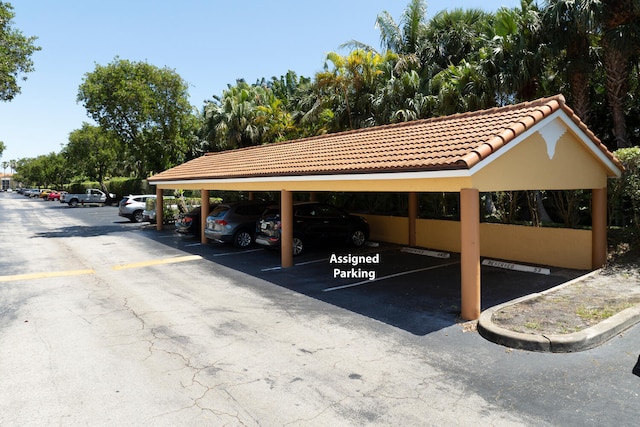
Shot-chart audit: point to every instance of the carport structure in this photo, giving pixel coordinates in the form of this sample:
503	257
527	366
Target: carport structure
539	145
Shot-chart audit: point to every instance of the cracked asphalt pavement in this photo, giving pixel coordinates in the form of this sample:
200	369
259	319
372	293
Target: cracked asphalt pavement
104	322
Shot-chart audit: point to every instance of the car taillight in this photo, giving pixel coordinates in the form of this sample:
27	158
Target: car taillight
221	222
187	219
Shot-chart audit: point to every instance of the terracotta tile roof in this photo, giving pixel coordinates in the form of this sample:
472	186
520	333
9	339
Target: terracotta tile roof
453	142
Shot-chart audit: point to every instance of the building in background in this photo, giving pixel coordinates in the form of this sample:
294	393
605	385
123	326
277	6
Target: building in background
7	181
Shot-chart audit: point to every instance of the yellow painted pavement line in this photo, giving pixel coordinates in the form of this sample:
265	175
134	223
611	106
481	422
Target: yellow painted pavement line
157	262
46	275
50	274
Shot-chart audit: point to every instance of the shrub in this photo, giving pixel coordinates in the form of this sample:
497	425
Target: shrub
624	193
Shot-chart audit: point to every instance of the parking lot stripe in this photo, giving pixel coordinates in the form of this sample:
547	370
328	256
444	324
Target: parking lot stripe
235	253
402	273
157	262
46	275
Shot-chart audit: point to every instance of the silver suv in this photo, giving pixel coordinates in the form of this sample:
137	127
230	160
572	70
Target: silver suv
234	222
131	206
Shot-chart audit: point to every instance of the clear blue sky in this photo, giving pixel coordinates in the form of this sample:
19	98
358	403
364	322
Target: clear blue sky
209	43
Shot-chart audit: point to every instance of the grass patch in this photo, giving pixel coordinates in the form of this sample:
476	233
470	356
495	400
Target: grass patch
533	325
597	314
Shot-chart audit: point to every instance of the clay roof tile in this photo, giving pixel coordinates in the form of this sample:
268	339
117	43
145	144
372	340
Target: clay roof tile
451	142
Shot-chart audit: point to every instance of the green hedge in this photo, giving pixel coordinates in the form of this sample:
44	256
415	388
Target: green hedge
624	193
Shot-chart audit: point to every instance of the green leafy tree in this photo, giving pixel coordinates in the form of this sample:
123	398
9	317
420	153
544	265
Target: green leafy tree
93	152
16	50
2	148
147	108
42	171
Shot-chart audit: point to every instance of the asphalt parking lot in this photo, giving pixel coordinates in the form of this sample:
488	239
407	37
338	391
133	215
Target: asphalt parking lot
231	330
408	289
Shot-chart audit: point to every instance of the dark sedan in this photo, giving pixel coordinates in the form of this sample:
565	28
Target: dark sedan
313	224
189	222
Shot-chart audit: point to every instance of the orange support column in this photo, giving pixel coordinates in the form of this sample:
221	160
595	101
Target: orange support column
598	227
286	228
204	211
470	253
413	215
159	209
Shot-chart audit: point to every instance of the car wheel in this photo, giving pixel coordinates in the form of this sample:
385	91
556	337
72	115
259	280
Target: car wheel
298	246
73	203
358	238
137	216
242	239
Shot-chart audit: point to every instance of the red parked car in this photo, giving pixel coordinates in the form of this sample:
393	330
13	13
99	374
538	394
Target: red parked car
54	195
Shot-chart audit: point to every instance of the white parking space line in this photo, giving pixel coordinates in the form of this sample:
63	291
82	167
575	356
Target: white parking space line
312	262
402	273
236	253
192	244
315	261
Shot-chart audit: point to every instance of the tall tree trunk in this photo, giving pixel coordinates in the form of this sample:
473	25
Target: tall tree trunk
580	95
617	68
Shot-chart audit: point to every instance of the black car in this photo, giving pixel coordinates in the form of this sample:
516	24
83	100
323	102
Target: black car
313	224
189	222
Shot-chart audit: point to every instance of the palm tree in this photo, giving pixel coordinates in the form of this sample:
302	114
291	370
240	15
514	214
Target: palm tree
404	38
349	84
453	36
518	52
569	28
230	120
620	22
463	87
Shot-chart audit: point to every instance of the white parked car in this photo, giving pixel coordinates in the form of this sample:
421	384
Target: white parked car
133	206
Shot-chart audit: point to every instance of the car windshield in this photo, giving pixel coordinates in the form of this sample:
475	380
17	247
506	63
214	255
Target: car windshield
271	212
219	212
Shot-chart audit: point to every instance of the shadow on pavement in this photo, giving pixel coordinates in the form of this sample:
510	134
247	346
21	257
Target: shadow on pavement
415	293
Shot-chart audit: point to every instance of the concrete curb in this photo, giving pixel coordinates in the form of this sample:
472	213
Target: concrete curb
566	343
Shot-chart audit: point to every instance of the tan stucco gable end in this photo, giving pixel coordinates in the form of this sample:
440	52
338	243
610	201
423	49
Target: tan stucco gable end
555	155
